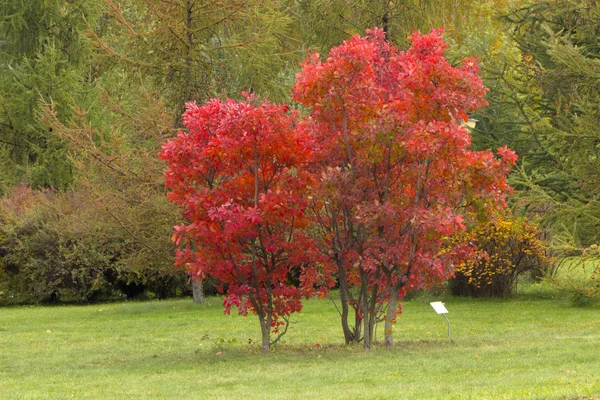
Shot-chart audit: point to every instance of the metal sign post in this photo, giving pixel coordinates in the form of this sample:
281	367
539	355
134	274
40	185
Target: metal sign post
440	308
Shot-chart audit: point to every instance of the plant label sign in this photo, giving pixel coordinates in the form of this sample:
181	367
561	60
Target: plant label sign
439	307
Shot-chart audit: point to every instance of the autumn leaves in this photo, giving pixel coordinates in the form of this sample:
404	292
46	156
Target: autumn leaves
358	193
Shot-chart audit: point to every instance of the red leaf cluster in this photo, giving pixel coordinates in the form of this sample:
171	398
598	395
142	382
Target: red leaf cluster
397	172
240	174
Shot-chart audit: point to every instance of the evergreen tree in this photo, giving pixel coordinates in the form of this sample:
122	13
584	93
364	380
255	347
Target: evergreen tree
44	58
151	58
325	24
196	49
544	104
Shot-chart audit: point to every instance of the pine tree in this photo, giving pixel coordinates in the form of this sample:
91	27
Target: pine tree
544	104
193	50
45	59
325	24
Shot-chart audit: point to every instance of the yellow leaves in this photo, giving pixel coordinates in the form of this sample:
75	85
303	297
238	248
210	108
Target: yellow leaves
506	247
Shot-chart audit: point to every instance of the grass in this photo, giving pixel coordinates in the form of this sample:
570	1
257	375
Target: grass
532	347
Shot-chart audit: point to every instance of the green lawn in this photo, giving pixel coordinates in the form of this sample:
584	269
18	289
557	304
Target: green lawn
523	348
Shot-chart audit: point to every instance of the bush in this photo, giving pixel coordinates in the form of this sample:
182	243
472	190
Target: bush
43	265
507	248
55	247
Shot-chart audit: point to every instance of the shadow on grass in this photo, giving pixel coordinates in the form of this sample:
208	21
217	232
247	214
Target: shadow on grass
219	354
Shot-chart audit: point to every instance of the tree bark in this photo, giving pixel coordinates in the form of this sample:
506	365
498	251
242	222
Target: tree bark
357	326
348	337
266	335
373	312
389	318
197	292
365	312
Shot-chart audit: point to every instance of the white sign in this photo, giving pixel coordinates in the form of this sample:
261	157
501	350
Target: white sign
439	307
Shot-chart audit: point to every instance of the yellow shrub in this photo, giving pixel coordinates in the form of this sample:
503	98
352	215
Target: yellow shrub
506	248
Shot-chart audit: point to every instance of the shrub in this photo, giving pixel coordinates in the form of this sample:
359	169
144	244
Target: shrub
507	248
57	247
42	264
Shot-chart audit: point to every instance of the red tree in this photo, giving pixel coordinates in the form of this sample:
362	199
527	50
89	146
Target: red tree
240	176
397	174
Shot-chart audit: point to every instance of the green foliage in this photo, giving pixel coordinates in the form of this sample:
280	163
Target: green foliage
507	248
194	50
326	24
41	264
545	103
43	58
578	278
469	25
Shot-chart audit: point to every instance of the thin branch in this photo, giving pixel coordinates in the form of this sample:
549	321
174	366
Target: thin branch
130	233
287	324
334	304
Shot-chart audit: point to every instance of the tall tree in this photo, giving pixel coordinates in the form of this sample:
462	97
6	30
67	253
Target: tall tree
398	175
545	105
196	49
325	24
44	58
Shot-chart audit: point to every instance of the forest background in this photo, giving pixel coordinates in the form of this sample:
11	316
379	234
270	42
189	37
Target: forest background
90	90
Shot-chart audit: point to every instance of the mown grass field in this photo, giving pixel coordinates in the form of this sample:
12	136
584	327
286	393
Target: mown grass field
528	347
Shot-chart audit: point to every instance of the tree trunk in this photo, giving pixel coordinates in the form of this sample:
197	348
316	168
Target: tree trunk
197	292
266	335
373	313
366	328
389	318
357	326
348	337
364	304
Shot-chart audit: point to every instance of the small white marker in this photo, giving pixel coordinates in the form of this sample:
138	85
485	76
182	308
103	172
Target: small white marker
440	308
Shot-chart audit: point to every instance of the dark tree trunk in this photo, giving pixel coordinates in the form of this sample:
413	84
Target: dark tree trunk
348	336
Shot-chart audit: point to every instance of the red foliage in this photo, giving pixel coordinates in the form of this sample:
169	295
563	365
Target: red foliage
383	161
396	169
240	175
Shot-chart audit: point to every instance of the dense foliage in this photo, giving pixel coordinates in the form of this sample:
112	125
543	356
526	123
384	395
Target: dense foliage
544	105
396	169
240	174
507	248
391	177
54	247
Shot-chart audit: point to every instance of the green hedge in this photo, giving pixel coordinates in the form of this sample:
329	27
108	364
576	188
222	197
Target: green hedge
51	251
